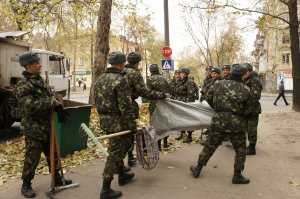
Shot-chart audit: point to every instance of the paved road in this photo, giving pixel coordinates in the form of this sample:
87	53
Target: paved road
274	172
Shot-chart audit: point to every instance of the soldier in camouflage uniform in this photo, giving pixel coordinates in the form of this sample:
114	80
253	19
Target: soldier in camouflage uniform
185	92
174	82
230	100
114	106
226	72
252	81
36	102
138	89
157	82
196	89
215	73
206	83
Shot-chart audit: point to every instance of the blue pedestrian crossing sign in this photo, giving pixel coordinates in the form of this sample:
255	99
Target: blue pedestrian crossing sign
167	64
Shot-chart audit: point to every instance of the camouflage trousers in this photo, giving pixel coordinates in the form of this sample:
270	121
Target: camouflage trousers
252	124
117	149
215	139
34	149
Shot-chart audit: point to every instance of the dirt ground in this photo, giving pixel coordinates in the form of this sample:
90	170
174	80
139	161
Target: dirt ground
274	172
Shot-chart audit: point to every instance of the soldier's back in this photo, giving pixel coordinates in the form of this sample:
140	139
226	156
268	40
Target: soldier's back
158	83
229	100
105	96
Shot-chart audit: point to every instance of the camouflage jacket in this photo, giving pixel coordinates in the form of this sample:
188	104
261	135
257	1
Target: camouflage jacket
36	102
138	87
9	111
157	82
173	84
230	100
185	91
226	77
255	92
113	101
206	86
196	91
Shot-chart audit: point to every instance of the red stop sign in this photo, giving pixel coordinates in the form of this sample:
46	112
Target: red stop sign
166	51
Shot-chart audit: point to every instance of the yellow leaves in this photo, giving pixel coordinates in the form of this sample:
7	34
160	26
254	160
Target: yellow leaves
144	118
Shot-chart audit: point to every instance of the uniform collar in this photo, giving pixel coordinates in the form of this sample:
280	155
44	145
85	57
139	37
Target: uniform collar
113	70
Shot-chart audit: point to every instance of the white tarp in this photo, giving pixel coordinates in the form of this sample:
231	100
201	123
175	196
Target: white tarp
172	116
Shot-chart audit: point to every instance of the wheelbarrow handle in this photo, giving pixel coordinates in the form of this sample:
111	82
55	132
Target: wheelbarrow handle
104	137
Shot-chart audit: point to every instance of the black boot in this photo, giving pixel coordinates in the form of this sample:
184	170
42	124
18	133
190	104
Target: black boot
238	178
60	180
125	178
180	136
189	138
251	149
131	159
107	192
27	190
126	169
196	170
159	145
166	143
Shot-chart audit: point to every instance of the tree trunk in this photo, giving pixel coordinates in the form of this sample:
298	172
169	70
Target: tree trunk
295	54
102	43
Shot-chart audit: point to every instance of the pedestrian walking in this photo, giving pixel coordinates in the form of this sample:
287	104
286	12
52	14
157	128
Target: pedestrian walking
84	86
79	83
281	93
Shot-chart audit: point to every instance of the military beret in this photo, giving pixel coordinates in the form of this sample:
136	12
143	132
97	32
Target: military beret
154	68
116	58
185	70
28	58
134	57
216	70
226	67
248	66
238	70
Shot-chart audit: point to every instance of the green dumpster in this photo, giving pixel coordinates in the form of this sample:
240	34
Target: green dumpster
69	138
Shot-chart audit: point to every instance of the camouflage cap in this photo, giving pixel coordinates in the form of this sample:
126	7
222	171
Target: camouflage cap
28	58
208	68
228	67
154	68
177	71
185	70
216	69
248	66
134	57
116	58
238	70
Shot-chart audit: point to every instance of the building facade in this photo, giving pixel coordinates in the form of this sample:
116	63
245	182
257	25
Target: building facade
272	52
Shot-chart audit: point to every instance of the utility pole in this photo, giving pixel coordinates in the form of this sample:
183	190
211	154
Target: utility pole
167	31
166	17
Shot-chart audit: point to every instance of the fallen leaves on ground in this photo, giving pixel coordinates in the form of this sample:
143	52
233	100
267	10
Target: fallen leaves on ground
12	151
294	184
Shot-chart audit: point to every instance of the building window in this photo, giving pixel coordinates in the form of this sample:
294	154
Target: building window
285	39
286	58
81	61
